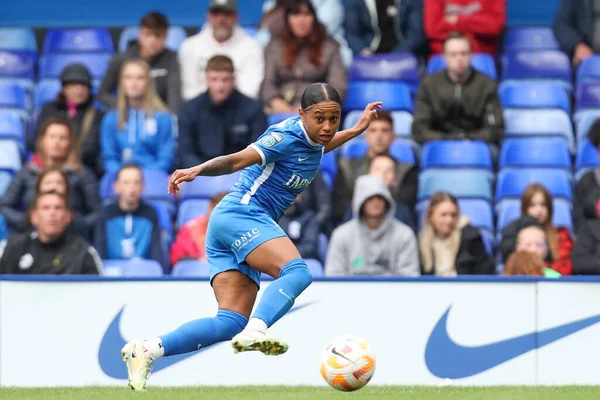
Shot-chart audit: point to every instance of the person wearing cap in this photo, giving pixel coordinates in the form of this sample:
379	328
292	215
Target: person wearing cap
151	46
76	104
221	35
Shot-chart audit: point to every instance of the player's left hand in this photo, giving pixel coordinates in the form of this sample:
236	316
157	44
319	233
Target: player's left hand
180	176
368	115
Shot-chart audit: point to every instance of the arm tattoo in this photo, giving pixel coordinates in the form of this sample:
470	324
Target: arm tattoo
221	165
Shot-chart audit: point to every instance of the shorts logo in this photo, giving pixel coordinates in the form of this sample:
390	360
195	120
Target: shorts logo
272	139
246	238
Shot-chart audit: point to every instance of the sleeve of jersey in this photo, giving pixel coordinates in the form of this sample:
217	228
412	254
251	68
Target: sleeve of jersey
272	147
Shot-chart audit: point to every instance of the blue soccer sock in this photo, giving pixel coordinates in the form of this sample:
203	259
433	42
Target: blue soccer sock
203	332
279	297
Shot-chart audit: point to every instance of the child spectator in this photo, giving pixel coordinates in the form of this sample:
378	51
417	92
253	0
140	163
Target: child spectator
128	228
55	150
140	130
302	227
449	244
305	54
530	251
537	210
190	243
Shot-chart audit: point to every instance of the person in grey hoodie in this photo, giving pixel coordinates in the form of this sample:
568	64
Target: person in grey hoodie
151	46
373	242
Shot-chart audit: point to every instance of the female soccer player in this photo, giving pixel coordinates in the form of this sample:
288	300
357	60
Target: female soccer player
243	238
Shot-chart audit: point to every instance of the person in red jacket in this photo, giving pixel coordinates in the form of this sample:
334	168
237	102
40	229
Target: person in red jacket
190	241
481	20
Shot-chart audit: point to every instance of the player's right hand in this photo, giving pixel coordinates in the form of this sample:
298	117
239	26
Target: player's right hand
180	176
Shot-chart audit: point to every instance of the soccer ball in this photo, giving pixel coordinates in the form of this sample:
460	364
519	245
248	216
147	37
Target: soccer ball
347	363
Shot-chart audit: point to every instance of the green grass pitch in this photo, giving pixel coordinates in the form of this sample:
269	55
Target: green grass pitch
304	392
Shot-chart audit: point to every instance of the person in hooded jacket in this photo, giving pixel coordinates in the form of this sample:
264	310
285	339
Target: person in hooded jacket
449	244
164	64
374	243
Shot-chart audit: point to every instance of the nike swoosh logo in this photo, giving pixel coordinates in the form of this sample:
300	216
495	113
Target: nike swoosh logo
109	356
283	293
300	159
448	359
337	353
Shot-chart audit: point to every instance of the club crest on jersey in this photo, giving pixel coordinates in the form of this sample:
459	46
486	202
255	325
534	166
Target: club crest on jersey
272	139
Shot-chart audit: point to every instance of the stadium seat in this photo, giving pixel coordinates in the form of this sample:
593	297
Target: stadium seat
526	66
13	96
587	96
132	268
535	95
4	231
52	65
355	149
588	70
204	187
329	169
18	67
18	39
46	91
175	36
190	209
250	30
278	117
394	95
88	40
315	267
402	122
587	159
401	150
191	268
460	183
164	218
456	154
11	127
529	38
535	153
545	123
402	67
584	120
481	62
323	245
5	178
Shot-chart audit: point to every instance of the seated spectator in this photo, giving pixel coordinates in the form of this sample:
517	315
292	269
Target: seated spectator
373	243
140	130
481	20
379	138
302	227
537	210
220	121
586	252
49	248
385	26
303	55
458	102
190	243
329	12
587	192
76	104
317	197
55	150
221	35
449	244
128	228
150	46
577	28
528	264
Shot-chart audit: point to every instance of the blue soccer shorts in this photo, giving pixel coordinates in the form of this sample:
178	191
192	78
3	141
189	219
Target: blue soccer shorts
234	230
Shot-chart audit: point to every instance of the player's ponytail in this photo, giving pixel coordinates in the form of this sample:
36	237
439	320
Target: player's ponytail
318	93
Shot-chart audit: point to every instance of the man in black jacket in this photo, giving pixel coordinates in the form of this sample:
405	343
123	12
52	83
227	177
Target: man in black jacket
220	121
458	103
151	46
49	249
577	28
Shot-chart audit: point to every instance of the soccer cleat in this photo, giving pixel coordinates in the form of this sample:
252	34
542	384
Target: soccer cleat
251	341
138	363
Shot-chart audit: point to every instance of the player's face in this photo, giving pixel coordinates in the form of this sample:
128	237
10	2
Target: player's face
51	216
56	142
220	85
53	181
152	42
321	121
301	24
444	218
379	137
384	168
457	53
532	241
538	208
129	186
134	81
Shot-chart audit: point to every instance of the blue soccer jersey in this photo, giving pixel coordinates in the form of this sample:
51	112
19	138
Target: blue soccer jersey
290	160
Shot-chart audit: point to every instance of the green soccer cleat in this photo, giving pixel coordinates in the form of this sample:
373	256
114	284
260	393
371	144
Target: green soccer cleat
248	341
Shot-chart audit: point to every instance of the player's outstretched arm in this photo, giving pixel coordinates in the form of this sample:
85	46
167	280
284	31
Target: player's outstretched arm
221	165
363	123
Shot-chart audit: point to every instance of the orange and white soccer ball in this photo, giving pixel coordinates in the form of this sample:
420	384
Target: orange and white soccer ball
347	363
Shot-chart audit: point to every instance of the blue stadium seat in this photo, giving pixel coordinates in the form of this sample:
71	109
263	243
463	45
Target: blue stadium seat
204	187
132	268
535	95
164	218
190	209
355	149
584	120
45	91
461	183
456	154
401	150
5	178
323	244
542	65
544	123
11	127
402	122
588	70
250	30
4	231
587	159
175	36
394	95
87	40
191	268
587	96
481	62
278	117
529	38
535	153
13	96
315	267
329	169
19	67
52	65
386	67
18	39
